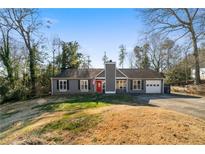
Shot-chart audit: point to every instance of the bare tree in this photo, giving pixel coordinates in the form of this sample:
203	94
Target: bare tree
162	52
156	54
89	61
186	22
167	45
56	44
131	59
26	23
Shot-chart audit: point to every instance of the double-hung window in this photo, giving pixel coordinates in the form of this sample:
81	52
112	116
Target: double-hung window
84	85
137	85
63	85
121	84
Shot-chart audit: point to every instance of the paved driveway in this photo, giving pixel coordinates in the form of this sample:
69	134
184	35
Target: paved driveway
181	103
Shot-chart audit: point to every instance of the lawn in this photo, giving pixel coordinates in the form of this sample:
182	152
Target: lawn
91	119
35	118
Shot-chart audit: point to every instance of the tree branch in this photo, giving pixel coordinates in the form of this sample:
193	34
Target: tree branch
177	17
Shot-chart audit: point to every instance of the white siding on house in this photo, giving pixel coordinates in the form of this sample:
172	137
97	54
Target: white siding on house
202	73
153	86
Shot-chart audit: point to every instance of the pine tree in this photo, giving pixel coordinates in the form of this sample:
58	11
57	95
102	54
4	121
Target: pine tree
70	55
122	55
105	58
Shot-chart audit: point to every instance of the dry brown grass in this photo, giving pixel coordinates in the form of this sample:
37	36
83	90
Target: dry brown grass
121	124
145	125
190	89
112	124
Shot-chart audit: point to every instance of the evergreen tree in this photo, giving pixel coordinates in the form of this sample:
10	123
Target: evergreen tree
105	58
141	54
122	55
70	55
145	64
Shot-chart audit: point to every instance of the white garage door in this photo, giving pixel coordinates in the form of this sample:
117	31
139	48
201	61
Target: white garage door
153	86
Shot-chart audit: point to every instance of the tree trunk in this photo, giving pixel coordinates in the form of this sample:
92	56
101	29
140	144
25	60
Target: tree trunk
7	63
32	61
6	56
168	59
10	74
32	70
196	57
53	62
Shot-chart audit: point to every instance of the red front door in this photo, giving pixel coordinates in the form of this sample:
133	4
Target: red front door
99	86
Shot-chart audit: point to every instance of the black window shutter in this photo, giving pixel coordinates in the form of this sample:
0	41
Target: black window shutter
142	84
131	84
67	84
79	84
57	84
89	84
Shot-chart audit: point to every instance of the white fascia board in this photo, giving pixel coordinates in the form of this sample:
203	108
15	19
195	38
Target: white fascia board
122	73
146	78
100	78
110	92
99	73
110	63
117	78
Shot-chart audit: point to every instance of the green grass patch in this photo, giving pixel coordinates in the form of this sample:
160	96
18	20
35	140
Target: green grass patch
78	102
75	125
72	107
116	98
55	132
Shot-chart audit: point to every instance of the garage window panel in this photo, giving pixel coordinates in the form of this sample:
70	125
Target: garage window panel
137	84
153	86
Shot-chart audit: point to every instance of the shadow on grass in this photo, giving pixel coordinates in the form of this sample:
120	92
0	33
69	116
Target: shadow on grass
8	114
79	102
71	104
32	119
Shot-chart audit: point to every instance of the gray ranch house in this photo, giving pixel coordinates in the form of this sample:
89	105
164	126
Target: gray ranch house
109	80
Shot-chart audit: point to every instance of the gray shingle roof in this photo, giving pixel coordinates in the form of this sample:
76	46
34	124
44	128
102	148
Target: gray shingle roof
91	73
141	73
79	73
118	74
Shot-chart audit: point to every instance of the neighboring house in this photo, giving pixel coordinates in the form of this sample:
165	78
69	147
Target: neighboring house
191	64
202	73
109	80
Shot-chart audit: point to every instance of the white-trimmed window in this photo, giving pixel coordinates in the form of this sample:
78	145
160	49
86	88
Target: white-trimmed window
121	84
62	85
137	84
84	85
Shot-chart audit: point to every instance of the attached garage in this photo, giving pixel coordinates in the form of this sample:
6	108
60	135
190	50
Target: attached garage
109	80
153	86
